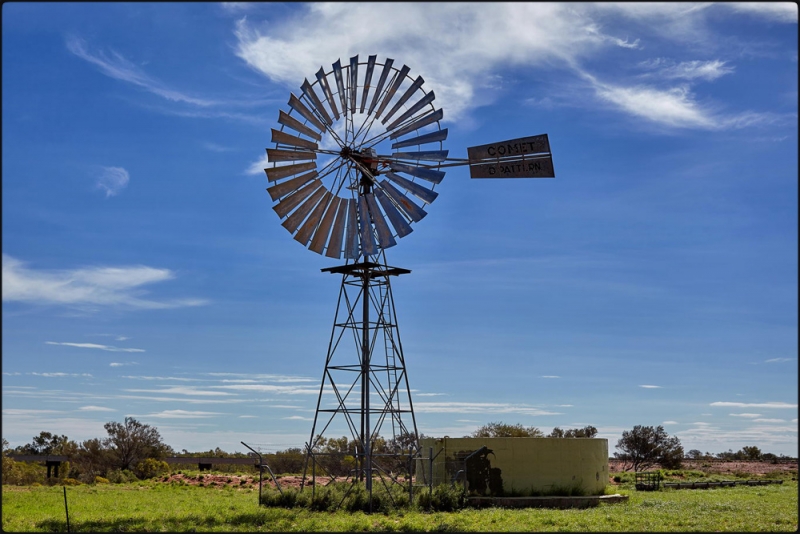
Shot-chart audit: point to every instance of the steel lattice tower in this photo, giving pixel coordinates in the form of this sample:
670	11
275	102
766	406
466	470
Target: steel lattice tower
365	370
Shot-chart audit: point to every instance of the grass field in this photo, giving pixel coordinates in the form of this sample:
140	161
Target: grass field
156	507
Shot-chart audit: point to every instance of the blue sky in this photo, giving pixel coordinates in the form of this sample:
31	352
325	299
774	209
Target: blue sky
652	282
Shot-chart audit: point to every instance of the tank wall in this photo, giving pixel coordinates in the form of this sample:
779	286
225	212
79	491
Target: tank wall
522	465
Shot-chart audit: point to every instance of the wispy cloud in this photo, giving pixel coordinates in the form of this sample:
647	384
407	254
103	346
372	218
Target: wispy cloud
87	287
769	420
182	414
549	376
50	375
108	348
121	364
779	360
669	423
747	415
112	180
297	418
463	64
648	386
114	65
778	11
96	409
755	404
179	390
479	407
687	70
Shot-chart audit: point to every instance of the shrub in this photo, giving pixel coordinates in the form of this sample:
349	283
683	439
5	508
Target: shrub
123	476
443	498
70	482
150	468
100	480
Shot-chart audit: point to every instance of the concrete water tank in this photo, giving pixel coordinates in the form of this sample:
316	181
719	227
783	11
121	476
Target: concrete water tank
517	466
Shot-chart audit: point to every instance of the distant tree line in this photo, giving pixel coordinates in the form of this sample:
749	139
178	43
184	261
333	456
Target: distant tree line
133	450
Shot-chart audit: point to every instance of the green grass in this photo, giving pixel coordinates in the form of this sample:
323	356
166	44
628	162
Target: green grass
153	507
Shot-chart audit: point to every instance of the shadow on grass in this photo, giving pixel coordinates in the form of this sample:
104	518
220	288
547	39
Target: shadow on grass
141	524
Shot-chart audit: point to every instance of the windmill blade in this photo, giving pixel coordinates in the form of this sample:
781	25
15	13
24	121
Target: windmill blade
324	228
387	67
419	123
285	206
337	73
425	155
367	80
306	113
337	235
385	238
278	190
392	89
438	135
275	154
402	100
424	101
424	194
323	82
283	138
276	173
290	122
401	226
368	245
351	243
425	173
311	95
353	82
414	212
312	222
293	221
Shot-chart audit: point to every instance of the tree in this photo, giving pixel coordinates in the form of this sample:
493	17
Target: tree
503	430
92	459
585	432
645	446
132	442
751	453
47	443
694	454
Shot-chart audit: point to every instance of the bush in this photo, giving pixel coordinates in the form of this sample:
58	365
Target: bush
151	468
443	498
100	480
70	482
121	476
23	473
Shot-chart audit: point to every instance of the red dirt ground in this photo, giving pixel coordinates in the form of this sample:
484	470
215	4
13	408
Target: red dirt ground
755	469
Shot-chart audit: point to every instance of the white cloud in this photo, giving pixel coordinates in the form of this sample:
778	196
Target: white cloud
108	348
297	418
182	414
96	409
430	394
755	404
271	388
748	415
648	386
60	374
120	364
779	360
688	70
549	376
91	286
112	180
669	423
769	420
777	11
117	67
462	64
457	63
478	407
257	167
179	390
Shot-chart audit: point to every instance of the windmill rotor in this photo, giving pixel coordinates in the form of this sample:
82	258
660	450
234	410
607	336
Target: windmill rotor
355	163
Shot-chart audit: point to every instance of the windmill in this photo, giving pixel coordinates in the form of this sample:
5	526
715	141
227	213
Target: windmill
356	161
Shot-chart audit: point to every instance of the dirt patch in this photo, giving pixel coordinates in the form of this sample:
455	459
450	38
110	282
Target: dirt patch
725	467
